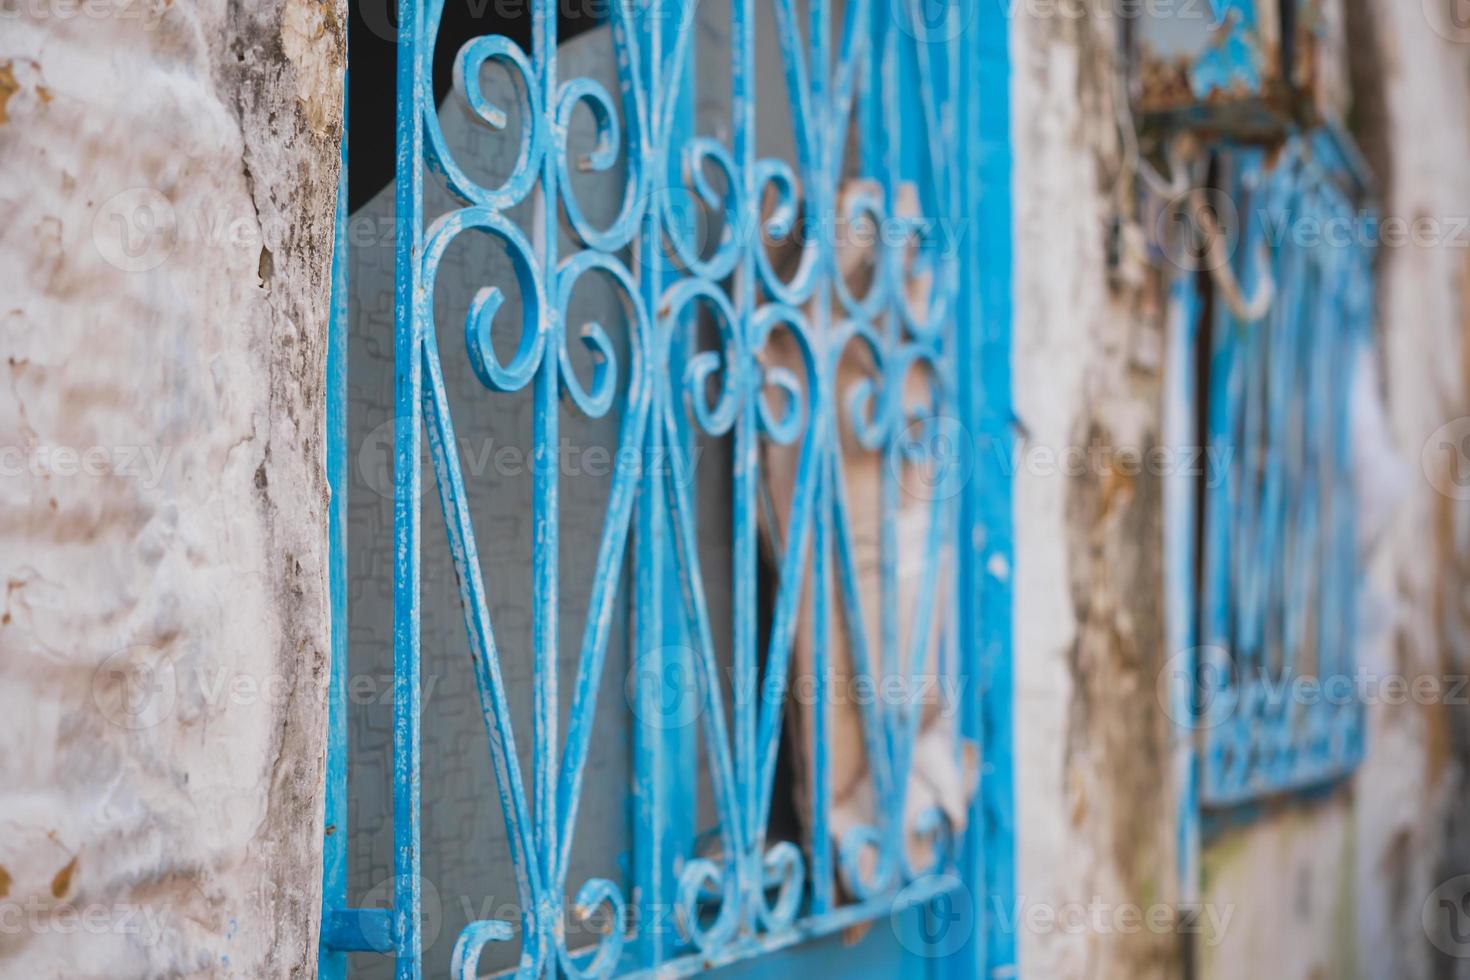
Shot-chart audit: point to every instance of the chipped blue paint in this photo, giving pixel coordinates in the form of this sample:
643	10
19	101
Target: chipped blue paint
332	959
408	333
663	799
1235	66
1281	569
984	358
916	82
1234	58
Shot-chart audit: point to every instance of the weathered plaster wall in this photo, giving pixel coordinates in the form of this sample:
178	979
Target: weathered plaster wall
1414	793
1334	888
1093	797
1353	874
167	182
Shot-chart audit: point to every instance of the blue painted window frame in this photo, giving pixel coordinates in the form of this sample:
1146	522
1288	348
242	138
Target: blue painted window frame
982	863
1244	578
1257	743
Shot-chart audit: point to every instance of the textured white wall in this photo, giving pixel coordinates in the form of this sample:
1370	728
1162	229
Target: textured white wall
167	182
1414	828
1335	888
1093	799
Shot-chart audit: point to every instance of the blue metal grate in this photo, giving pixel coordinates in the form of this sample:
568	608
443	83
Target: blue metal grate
880	111
1279	703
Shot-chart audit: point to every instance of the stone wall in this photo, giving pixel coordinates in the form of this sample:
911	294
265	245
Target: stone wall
168	176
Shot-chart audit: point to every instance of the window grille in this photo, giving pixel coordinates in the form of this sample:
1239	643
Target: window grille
834	314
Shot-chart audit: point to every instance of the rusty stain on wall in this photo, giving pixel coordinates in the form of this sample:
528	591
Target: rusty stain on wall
8	87
313	40
1118	740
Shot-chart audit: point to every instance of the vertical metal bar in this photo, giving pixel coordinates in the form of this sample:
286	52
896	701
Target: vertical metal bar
664	746
546	744
661	796
410	319
987	544
747	687
332	964
822	609
1214	620
885	143
653	889
1361	289
823	400
1250	411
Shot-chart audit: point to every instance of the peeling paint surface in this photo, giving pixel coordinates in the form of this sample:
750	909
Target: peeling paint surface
1332	886
1351	874
1091	737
